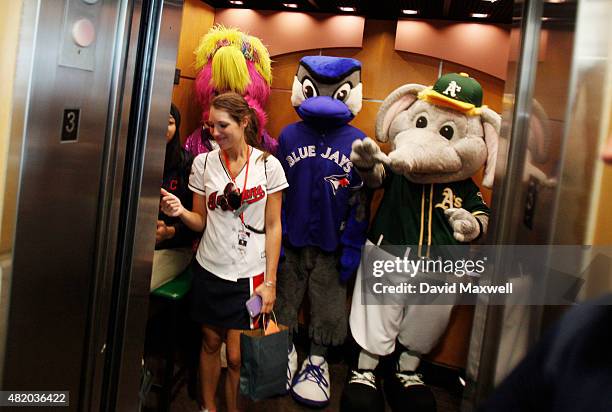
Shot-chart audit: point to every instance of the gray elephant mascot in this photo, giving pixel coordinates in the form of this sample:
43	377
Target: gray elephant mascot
440	136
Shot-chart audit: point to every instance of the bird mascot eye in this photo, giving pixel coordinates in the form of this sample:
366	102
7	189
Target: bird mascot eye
342	92
309	89
421	122
447	131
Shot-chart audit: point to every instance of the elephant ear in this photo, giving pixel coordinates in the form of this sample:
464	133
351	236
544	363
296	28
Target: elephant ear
491	123
398	101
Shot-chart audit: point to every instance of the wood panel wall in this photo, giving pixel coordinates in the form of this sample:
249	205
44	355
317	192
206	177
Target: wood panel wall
383	70
198	18
9	40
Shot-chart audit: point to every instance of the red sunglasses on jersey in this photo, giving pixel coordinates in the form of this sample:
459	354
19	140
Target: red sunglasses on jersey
231	199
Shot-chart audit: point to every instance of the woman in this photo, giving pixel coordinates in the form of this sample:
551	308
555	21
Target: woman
237	197
173	240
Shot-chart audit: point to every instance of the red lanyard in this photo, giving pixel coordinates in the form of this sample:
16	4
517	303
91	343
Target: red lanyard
246	175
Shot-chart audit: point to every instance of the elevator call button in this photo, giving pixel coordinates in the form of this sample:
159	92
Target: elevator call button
80	34
83	32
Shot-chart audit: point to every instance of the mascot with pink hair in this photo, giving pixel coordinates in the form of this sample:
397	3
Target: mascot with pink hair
230	60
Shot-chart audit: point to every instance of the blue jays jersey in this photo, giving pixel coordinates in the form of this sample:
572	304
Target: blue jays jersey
321	179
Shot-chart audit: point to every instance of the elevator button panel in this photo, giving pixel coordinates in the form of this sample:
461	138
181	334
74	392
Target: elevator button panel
78	47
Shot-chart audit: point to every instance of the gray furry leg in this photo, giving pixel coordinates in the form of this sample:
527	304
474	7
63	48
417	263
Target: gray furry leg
328	323
318	350
291	282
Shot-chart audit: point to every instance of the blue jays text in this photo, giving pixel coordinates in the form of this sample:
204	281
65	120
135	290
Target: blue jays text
310	151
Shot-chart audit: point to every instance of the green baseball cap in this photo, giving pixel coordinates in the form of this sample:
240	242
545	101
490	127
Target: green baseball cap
458	91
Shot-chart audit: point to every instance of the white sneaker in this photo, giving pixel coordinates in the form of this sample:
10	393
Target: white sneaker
291	366
312	385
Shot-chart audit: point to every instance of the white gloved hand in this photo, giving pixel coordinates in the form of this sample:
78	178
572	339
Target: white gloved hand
170	204
464	224
365	154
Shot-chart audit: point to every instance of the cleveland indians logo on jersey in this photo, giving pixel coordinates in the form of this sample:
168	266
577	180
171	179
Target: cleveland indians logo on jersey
251	195
337	181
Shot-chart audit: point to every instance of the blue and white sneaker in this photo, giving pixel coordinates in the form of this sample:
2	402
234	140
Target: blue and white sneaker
312	385
292	365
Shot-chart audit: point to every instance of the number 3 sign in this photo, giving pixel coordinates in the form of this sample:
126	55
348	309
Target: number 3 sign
70	125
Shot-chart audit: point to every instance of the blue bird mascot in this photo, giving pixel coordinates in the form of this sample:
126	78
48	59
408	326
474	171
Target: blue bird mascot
324	215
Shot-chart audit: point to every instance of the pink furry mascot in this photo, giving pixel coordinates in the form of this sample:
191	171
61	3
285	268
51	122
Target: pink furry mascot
230	60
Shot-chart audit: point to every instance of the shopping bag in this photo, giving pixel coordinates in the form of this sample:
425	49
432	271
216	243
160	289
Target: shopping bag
263	372
271	327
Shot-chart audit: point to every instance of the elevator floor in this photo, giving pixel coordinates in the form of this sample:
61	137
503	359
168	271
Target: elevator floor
444	384
447	402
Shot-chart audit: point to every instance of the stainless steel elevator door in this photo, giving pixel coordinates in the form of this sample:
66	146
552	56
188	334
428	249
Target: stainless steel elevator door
54	248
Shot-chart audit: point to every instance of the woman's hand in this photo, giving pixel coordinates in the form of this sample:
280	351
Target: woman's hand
164	232
268	297
170	204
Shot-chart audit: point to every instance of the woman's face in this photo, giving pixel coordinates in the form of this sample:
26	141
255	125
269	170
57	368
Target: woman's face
225	130
171	128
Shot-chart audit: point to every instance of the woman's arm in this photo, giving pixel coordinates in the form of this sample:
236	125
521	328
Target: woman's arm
267	290
194	220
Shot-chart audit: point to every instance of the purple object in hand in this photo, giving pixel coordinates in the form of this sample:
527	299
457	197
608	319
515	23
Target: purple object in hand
253	305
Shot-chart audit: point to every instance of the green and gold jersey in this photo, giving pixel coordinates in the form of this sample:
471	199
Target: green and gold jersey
413	214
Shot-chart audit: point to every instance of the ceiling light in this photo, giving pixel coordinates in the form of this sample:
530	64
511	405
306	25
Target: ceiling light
480	15
408	11
346	8
236	2
491	1
290	5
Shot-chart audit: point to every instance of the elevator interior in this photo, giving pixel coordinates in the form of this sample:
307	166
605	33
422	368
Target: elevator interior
80	171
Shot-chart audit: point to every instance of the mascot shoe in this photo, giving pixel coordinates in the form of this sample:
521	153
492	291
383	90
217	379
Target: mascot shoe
362	393
407	390
292	365
311	385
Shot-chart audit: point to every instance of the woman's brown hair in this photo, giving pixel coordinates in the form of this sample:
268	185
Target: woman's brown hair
235	105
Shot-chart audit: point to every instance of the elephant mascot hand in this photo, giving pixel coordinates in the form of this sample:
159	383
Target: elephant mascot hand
366	154
464	224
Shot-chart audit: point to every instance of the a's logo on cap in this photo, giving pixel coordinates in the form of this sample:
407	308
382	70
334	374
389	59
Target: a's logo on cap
457	91
452	89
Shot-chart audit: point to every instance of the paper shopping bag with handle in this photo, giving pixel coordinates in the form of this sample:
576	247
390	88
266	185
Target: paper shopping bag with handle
263	372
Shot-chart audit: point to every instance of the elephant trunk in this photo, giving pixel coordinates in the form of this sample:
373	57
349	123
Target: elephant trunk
424	156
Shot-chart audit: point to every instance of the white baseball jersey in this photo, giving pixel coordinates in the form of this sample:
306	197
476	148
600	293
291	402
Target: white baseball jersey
219	251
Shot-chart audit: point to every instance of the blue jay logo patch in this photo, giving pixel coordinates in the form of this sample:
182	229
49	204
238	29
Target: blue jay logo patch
337	181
